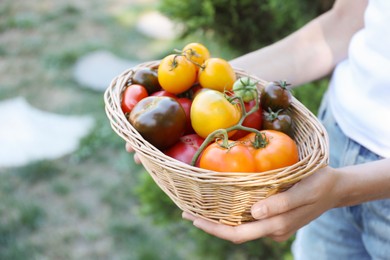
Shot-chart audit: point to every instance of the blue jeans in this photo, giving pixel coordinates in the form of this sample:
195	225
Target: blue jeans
354	233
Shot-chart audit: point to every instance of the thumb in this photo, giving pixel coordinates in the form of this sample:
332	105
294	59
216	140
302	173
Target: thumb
279	203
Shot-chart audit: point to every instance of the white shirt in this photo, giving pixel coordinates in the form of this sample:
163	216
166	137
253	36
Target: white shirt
360	85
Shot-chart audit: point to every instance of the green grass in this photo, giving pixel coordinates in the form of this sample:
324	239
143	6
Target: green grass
18	218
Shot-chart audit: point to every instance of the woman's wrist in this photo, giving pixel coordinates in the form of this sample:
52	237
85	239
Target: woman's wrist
363	182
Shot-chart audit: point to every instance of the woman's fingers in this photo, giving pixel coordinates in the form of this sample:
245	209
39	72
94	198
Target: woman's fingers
136	159
130	150
188	216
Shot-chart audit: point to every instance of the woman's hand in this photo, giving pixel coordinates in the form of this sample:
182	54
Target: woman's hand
130	150
281	215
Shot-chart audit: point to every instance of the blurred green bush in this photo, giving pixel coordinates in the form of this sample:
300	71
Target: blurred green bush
244	25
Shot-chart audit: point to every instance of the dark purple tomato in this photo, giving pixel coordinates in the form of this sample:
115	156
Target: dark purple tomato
276	95
160	120
280	120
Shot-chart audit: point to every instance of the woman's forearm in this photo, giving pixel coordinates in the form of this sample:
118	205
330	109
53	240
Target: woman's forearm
311	52
363	182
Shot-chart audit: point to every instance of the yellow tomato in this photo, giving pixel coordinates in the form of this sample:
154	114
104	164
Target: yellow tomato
176	73
197	53
210	111
218	74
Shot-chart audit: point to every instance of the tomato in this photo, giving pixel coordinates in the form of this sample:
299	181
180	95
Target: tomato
186	105
185	149
279	120
211	110
197	53
276	95
164	93
236	158
274	150
148	78
160	120
176	73
131	96
218	74
194	90
184	102
246	88
253	120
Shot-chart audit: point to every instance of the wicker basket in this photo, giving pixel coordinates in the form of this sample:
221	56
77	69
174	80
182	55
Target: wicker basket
220	197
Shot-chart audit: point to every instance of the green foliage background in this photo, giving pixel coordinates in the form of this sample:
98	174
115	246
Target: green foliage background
243	24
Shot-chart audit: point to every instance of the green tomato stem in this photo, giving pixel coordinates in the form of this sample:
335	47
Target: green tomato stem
210	138
191	53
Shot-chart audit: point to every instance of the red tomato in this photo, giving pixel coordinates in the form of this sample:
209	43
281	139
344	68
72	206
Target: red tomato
276	150
164	93
131	96
186	104
253	120
195	89
236	158
185	149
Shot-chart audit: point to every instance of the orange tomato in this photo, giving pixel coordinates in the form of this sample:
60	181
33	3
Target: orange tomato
236	158
218	74
176	73
197	53
278	151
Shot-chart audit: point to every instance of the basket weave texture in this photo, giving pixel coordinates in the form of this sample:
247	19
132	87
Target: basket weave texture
219	197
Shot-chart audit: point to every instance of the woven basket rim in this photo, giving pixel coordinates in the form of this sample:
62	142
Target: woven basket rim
171	173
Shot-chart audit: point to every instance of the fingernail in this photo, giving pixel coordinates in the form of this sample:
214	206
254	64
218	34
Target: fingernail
259	212
188	216
196	223
185	215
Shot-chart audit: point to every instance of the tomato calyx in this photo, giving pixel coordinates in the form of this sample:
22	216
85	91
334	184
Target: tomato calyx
224	143
189	54
283	84
260	140
271	115
175	63
280	120
245	87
